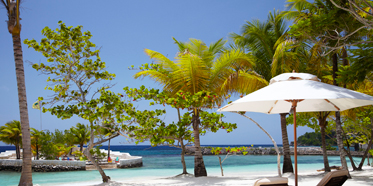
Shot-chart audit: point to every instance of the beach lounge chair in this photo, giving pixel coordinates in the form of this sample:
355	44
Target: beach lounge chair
334	178
275	181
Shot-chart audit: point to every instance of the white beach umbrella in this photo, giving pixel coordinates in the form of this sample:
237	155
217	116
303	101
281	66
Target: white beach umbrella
301	92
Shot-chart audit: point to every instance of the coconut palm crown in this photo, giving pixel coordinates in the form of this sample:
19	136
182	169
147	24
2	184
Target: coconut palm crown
11	134
81	135
198	67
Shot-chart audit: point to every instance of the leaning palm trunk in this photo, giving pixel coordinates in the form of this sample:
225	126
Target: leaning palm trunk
323	123
338	123
273	141
26	176
199	165
287	164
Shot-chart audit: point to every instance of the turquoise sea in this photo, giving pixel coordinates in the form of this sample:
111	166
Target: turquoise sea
165	162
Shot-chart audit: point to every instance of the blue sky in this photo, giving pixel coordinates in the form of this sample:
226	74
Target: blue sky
123	29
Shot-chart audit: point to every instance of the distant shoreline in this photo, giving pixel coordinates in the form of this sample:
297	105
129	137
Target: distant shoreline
271	151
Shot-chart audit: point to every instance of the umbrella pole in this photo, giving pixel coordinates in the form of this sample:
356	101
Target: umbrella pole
295	142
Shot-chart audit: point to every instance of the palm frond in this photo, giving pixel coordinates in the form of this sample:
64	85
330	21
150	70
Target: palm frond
217	47
231	59
161	59
180	44
285	58
243	82
193	74
153	74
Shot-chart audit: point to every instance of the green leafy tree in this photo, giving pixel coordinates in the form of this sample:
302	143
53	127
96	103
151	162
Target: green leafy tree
14	27
58	137
198	67
321	23
358	128
53	145
35	142
11	133
68	136
361	10
80	134
75	69
96	152
177	134
47	147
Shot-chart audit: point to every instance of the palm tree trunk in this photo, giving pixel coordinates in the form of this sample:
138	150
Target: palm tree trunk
26	176
18	152
81	147
338	118
323	142
37	150
199	165
287	164
183	157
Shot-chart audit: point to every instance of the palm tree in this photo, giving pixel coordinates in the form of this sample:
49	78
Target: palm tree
35	141
198	67
11	134
81	134
268	43
14	28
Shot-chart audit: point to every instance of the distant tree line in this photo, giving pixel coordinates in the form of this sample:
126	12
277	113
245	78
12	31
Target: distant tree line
46	144
314	139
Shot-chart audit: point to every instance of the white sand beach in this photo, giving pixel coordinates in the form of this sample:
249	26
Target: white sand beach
361	178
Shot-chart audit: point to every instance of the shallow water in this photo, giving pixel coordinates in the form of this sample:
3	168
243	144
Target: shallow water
166	162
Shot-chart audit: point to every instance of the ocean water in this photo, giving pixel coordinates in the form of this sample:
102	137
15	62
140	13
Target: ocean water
165	162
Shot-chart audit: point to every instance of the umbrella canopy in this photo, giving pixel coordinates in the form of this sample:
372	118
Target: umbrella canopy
314	96
301	92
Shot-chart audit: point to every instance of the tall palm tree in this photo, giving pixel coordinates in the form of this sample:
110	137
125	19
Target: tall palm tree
10	133
265	40
198	67
81	134
14	28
